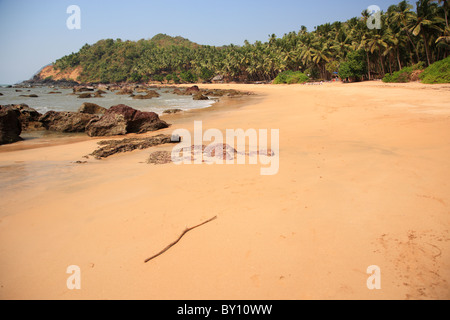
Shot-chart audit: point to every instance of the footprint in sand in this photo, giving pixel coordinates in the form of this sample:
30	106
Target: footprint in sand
416	259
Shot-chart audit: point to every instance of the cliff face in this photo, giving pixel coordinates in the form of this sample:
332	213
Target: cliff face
69	74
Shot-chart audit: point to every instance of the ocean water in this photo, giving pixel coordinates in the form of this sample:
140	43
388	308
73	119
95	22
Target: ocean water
66	101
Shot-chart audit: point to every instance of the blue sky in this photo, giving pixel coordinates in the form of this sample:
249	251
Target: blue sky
34	33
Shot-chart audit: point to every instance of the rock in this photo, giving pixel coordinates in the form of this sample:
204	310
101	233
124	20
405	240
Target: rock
98	95
125	91
66	121
29	95
150	94
217	79
85	96
10	127
82	89
122	119
177	91
1	94
111	147
91	108
172	111
54	92
200	96
192	90
29	117
215	93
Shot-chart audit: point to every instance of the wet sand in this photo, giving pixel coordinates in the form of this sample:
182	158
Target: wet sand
363	181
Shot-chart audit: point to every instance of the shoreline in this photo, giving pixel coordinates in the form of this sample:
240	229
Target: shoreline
363	181
40	139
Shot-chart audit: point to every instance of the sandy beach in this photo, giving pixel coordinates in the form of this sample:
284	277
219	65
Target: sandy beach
363	180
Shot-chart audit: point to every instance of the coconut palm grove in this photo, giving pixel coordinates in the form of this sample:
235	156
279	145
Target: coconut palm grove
410	38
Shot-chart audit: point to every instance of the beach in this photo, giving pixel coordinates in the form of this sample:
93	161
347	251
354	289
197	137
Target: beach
363	180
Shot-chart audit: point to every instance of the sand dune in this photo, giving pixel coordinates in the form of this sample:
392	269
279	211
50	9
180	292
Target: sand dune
363	180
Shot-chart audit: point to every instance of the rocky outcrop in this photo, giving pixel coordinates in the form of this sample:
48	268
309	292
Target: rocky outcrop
82	89
200	96
111	147
150	94
125	91
91	108
66	121
172	111
122	119
85	96
29	117
10	127
192	90
38	81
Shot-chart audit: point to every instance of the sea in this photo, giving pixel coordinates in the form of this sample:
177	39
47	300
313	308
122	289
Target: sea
67	101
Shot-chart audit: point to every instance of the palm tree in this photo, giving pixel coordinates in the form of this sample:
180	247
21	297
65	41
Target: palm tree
427	22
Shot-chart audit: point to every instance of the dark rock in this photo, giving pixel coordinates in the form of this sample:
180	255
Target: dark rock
91	108
177	91
54	92
200	96
192	90
10	127
29	95
111	147
150	94
125	91
85	96
1	94
122	119
66	121
29	117
82	89
171	111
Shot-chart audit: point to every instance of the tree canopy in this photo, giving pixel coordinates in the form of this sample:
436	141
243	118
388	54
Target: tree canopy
406	37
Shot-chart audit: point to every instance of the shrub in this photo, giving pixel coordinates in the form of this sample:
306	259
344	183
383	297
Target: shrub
291	77
404	75
158	77
438	72
354	67
188	77
173	77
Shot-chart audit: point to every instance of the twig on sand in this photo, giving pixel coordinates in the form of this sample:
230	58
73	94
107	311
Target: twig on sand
179	238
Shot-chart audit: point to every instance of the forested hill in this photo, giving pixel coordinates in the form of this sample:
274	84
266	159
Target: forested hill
407	37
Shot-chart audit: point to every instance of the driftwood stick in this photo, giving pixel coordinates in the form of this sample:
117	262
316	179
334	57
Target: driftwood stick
179	238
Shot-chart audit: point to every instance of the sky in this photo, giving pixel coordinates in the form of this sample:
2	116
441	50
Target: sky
33	33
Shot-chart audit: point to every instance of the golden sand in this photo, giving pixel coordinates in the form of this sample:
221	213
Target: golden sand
363	180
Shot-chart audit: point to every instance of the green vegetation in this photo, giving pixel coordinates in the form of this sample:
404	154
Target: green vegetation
354	67
403	75
406	38
291	77
438	72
